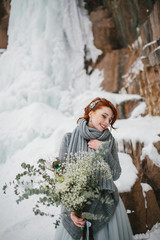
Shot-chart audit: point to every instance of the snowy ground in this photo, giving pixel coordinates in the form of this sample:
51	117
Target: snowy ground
18	220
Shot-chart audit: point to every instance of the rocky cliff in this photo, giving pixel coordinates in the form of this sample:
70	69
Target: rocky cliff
128	34
4	18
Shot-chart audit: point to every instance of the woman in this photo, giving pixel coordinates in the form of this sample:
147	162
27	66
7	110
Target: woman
90	135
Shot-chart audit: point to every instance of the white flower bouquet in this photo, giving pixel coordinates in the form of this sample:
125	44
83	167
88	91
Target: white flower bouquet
79	181
71	184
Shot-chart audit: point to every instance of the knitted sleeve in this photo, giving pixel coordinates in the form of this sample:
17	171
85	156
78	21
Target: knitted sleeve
111	157
64	147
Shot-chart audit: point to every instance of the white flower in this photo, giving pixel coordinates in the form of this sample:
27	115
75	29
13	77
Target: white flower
77	182
61	187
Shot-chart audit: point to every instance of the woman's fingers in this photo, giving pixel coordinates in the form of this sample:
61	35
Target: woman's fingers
94	144
79	222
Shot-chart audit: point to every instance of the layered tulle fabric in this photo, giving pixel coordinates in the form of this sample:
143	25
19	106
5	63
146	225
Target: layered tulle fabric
118	228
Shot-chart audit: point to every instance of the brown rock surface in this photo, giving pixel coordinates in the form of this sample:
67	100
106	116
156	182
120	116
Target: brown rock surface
151	175
131	54
134	201
157	146
125	108
152	210
147	80
142	218
127	16
104	31
135	151
131	64
4	18
113	65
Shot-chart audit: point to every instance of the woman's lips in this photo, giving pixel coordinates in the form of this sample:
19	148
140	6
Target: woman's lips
103	126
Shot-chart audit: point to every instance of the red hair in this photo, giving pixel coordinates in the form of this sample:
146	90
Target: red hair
102	103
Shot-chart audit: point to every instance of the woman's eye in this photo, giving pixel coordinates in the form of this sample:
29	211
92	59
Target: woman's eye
103	116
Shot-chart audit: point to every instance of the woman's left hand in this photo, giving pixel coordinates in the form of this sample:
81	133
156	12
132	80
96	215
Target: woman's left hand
94	144
79	222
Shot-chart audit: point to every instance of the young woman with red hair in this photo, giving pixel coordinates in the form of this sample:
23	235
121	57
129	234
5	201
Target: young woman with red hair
91	133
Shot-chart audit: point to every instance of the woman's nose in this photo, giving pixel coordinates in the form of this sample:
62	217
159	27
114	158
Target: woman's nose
107	121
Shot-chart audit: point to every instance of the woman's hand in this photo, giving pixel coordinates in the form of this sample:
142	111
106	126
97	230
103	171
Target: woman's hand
79	222
94	144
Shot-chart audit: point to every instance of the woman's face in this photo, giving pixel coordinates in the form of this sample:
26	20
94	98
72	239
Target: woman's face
100	119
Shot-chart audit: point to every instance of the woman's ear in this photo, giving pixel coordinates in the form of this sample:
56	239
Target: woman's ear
90	114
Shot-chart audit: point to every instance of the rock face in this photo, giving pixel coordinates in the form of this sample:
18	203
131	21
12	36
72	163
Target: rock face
4	18
152	209
104	29
143	211
113	64
137	211
125	108
144	208
128	34
151	175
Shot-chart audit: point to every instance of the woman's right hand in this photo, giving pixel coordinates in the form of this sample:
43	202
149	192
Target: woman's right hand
79	222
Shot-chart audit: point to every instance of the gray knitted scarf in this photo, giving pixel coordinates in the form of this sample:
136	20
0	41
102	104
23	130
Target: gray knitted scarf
79	143
82	134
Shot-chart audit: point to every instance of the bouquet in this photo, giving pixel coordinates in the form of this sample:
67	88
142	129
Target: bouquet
71	184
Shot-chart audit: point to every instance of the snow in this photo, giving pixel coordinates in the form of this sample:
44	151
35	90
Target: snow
140	109
156	49
141	129
136	67
137	43
145	188
44	90
2	50
153	234
148	44
34	121
124	183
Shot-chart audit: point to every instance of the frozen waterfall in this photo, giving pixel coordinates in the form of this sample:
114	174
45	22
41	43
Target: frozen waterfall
42	70
42	80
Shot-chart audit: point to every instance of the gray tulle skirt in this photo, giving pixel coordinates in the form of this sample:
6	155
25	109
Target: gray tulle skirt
118	228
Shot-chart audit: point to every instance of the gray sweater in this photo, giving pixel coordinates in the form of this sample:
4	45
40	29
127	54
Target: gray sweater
97	207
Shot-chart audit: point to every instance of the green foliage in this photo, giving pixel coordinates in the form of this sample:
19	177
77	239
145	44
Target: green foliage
72	184
35	181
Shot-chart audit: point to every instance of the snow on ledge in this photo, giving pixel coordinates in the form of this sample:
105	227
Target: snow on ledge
141	129
2	50
128	175
146	187
153	234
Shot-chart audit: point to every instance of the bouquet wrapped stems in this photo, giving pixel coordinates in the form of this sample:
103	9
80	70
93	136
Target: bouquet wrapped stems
78	213
83	232
86	233
86	230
